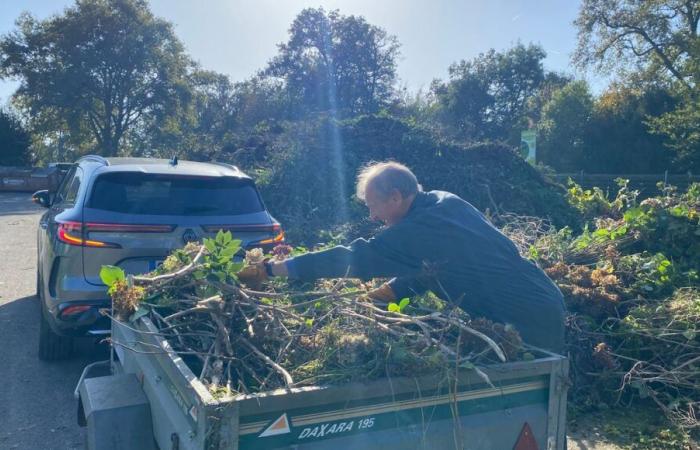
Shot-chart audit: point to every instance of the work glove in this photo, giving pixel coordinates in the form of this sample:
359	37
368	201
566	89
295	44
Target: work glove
253	275
383	293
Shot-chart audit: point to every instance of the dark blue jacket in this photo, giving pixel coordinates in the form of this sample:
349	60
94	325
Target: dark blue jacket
447	246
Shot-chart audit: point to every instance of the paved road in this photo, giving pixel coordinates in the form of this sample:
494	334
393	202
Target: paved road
37	409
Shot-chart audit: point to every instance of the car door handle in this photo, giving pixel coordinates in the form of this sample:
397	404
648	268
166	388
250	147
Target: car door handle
43	225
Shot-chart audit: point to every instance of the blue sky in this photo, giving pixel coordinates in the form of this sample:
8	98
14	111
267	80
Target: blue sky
238	37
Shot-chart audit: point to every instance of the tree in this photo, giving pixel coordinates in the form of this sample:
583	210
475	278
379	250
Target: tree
564	127
14	141
658	41
102	69
486	97
619	138
683	132
336	63
658	36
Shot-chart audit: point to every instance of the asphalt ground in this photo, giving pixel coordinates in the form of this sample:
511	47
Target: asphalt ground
37	408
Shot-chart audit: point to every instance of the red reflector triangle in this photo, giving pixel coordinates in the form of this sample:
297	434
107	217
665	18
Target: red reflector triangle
526	440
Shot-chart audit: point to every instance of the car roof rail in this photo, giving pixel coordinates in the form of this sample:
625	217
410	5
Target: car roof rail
239	172
223	164
95	158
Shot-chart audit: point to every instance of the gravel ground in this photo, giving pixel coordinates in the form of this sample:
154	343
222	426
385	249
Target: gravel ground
37	408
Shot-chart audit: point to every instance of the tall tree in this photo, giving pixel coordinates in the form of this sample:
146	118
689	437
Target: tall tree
658	36
105	66
338	63
14	141
564	126
486	97
658	42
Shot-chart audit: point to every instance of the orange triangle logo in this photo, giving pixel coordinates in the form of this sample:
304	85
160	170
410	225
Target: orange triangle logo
279	426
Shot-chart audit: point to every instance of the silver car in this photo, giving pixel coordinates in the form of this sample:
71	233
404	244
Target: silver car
131	212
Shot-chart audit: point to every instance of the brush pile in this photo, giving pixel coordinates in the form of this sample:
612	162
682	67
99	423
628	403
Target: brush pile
631	285
241	341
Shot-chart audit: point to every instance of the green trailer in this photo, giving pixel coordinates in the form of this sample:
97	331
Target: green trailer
151	399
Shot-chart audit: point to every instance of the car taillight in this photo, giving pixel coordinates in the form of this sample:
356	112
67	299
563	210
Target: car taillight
72	233
76	233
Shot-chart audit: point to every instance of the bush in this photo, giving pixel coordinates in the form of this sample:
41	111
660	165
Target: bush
307	175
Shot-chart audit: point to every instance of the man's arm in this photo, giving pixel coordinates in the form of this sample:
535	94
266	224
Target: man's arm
389	254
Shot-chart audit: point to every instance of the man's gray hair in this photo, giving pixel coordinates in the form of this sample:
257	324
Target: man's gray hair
385	177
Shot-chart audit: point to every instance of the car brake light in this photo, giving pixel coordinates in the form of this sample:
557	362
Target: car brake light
275	240
73	233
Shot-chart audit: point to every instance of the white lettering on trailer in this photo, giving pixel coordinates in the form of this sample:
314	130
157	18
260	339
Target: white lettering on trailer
326	429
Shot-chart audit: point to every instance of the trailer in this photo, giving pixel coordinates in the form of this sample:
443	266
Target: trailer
151	399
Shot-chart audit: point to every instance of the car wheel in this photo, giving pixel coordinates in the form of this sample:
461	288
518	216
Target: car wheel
53	347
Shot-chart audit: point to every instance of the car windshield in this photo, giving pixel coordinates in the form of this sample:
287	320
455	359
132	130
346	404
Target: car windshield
139	193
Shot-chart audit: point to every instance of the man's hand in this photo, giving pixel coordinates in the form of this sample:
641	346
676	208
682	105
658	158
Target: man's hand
383	293
253	275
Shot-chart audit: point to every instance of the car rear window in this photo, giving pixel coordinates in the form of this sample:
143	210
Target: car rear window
138	193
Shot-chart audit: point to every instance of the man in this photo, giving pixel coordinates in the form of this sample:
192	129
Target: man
436	241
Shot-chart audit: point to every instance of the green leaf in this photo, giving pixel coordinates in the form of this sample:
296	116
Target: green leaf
111	274
236	267
403	304
393	307
309	322
210	244
198	274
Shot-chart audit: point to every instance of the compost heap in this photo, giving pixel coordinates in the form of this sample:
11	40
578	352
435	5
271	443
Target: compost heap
630	282
240	341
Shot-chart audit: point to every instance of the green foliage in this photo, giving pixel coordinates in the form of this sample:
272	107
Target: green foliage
99	70
562	130
630	281
14	141
336	63
654	44
680	126
486	97
219	264
400	307
312	175
111	275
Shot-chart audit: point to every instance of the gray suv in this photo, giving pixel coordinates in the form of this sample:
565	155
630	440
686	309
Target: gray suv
131	212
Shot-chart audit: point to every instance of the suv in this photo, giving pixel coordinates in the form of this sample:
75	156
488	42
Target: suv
131	213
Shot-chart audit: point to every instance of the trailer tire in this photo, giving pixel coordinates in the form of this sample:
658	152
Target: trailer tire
52	347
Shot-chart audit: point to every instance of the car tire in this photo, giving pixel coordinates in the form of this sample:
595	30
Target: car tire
53	347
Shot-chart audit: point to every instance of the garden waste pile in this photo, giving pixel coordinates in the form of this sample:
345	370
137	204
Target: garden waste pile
240	341
630	282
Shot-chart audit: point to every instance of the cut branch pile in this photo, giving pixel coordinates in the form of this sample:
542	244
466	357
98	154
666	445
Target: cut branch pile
631	282
242	341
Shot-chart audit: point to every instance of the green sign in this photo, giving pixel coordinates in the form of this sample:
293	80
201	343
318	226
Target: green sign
528	145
